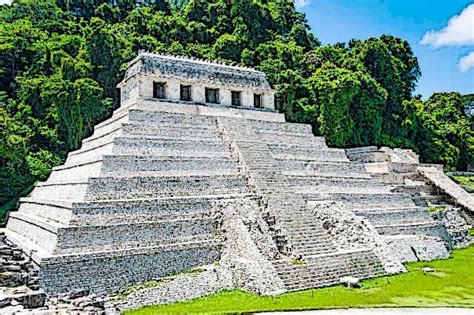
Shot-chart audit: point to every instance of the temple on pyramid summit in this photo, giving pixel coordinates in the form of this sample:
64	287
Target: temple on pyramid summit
196	169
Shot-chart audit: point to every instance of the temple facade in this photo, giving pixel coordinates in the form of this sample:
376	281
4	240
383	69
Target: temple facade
153	76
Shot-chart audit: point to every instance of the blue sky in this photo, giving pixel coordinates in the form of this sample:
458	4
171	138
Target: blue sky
440	53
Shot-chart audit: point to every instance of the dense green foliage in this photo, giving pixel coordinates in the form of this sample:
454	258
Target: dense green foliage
61	60
451	285
440	130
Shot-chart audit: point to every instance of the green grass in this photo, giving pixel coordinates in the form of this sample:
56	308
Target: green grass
437	208
467	181
297	262
452	284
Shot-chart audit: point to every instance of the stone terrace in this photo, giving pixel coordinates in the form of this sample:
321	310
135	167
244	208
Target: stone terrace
286	165
138	200
149	193
134	198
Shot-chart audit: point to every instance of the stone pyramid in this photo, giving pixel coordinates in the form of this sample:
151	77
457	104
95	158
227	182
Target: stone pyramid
166	185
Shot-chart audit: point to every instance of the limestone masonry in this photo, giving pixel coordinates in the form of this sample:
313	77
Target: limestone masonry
196	171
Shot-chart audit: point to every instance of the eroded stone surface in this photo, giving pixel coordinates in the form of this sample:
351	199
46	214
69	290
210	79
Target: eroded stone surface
350	232
16	268
206	281
248	248
456	225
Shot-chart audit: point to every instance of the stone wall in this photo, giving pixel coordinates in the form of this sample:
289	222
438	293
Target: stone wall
417	247
105	272
199	109
430	188
458	195
196	70
458	228
198	95
174	71
248	247
187	286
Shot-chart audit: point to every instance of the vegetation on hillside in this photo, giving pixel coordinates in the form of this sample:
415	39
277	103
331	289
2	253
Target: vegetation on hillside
60	61
450	285
466	181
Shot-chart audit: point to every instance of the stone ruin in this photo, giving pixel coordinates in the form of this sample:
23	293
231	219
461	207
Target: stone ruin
197	171
448	202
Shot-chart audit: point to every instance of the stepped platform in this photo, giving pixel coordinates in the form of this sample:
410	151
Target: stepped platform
286	175
308	174
141	191
325	270
411	227
148	193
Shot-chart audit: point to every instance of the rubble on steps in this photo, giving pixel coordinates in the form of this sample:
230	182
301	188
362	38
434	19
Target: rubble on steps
455	224
20	290
16	268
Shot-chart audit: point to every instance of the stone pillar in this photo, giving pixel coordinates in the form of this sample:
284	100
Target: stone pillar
146	87
129	91
198	93
225	96
268	99
247	98
173	90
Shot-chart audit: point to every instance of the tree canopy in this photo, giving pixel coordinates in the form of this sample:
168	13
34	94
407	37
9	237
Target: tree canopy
60	61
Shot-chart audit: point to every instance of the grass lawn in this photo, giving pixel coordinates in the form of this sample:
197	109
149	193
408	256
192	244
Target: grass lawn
452	284
467	181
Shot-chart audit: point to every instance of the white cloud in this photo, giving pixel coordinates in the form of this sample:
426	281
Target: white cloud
466	62
298	3
458	32
5	1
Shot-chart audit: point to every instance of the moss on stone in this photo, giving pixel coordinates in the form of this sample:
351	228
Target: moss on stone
126	291
297	262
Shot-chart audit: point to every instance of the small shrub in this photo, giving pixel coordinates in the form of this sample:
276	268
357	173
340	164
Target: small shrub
297	262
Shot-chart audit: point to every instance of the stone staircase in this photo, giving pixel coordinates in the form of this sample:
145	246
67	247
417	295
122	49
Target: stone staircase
398	168
327	269
304	235
436	180
284	167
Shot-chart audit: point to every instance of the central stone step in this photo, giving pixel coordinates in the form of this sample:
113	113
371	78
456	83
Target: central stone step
169	131
169	118
324	270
